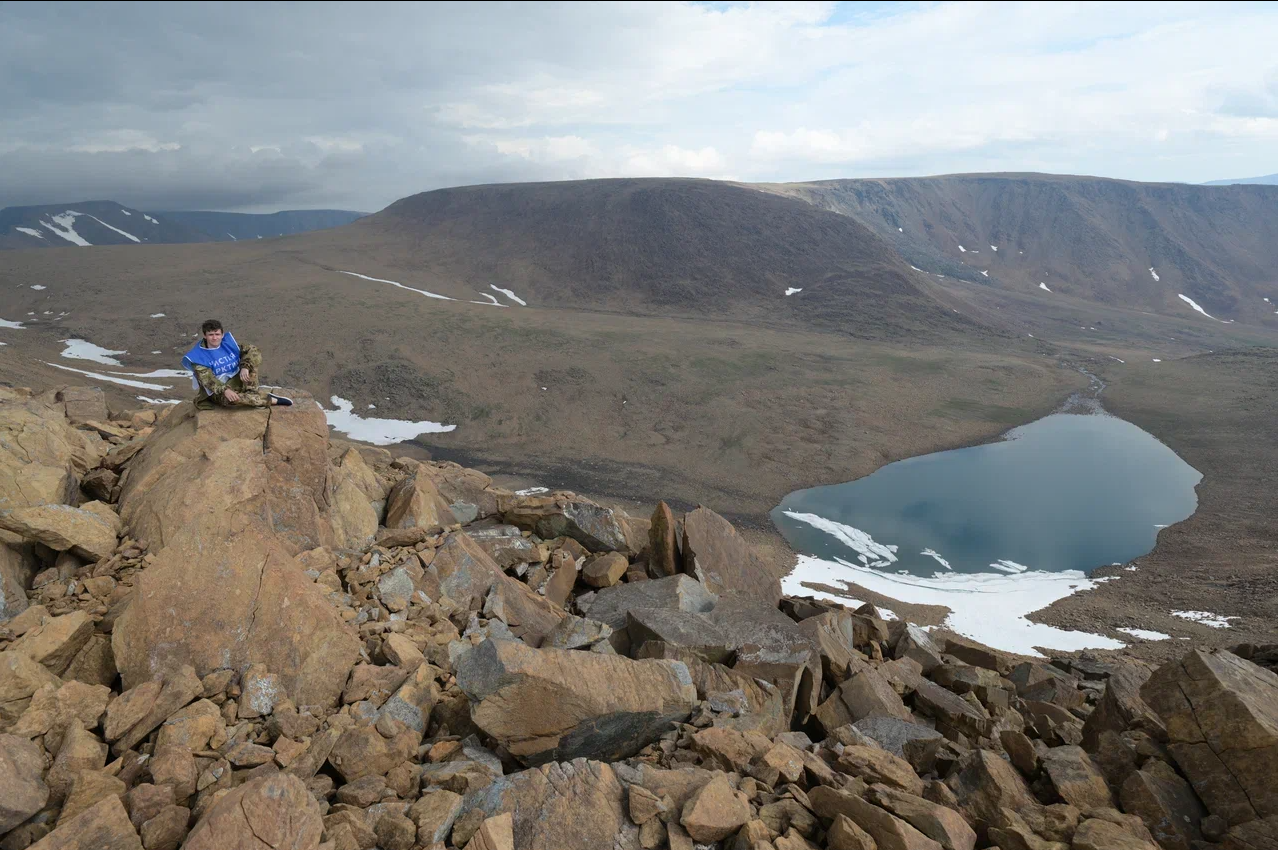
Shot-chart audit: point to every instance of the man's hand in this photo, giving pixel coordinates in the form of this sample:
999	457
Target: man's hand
244	374
231	395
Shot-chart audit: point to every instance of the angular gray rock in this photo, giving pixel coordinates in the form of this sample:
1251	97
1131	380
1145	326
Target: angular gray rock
678	593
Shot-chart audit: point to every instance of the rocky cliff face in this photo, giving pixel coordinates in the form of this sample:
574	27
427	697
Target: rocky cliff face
225	630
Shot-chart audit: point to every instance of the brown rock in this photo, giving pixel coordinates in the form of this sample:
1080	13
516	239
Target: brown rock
83	404
22	788
99	483
81	750
176	769
888	831
496	833
645	805
844	834
104	826
167	829
1166	803
1222	723
191	727
560	585
604	570
415	502
218	624
1076	778
373	683
951	710
352	515
1096	834
397	832
876	765
55	643
434	814
936	822
1121	708
88	789
714	812
146	801
779	765
976	655
1020	750
597	528
917	644
559	806
178	689
401	651
720	558
663	551
730	749
867	694
274	812
836	635
362	751
553	704
52	711
20	677
62	528
985	783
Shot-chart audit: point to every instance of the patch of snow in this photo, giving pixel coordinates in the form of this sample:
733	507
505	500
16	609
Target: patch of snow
1156	360
987	607
791	290
1216	621
79	349
1192	303
1133	568
124	382
64	226
379	432
123	233
532	491
148	218
986	273
37	287
1009	566
157	352
900	230
157	315
126	212
931	553
31	231
4	343
1266	300
1112	357
512	296
159	400
1153	273
1031	336
994	248
491	300
233	239
400	285
916	268
854	538
157	373
372	407
1143	634
1043	287
962	249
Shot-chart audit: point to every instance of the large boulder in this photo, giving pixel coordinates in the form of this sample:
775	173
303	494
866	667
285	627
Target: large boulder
204	475
1161	798
1076	778
678	593
597	528
22	788
557	705
415	502
20	677
467	492
560	805
230	604
83	404
16	572
63	528
1222	724
103	826
268	813
41	454
663	542
56	642
985	783
1121	708
721	559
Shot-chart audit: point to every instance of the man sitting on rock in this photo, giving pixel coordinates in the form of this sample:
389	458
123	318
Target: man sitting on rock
225	374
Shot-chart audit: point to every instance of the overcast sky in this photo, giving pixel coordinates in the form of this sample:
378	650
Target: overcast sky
260	107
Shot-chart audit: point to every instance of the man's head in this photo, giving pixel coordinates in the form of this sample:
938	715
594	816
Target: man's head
212	331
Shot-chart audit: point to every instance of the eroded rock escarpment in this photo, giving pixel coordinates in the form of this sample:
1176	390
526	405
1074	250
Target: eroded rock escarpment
226	630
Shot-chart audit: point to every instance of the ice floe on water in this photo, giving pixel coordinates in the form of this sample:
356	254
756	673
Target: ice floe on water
30	231
379	432
793	289
400	285
936	557
1216	621
1043	287
37	287
1143	634
1009	566
124	382
987	607
853	538
80	349
532	491
1153	273
17	326
512	296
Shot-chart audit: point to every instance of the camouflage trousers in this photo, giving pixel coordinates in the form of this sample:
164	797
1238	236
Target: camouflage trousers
213	392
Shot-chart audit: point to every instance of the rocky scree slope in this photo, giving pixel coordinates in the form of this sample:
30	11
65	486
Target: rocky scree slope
227	630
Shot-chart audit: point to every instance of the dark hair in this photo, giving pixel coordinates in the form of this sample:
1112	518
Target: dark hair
210	325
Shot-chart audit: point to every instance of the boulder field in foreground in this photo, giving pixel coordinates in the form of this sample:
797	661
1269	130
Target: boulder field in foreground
336	648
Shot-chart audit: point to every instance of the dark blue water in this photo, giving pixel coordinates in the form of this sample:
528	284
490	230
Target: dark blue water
1068	492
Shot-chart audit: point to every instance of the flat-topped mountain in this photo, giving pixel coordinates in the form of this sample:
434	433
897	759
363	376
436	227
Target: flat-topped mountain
1163	247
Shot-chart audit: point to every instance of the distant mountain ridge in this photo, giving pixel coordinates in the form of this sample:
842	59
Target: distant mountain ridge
1172	248
90	223
1266	180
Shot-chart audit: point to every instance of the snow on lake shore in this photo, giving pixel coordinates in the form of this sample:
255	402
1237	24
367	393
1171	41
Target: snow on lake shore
379	432
986	607
1143	634
17	326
